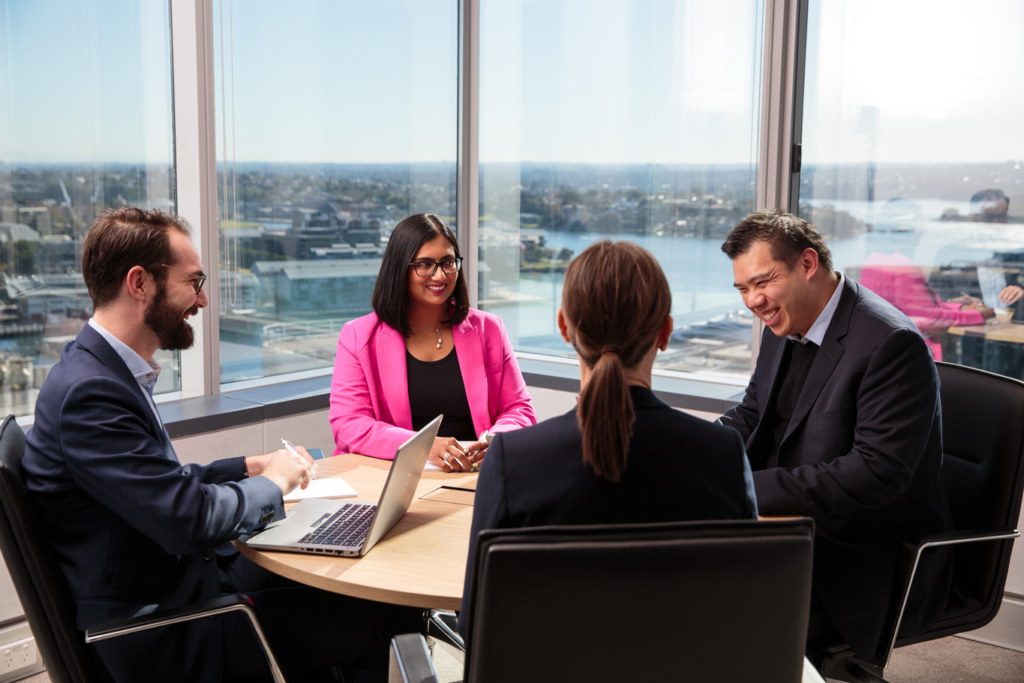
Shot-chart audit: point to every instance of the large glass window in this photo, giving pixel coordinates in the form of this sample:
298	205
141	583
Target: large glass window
85	125
335	120
625	120
913	164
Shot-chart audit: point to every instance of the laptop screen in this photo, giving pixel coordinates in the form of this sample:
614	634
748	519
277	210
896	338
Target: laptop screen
402	481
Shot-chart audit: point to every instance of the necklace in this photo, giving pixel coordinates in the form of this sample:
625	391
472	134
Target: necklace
436	330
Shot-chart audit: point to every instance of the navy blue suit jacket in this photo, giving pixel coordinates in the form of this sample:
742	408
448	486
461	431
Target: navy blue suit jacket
679	468
862	455
132	529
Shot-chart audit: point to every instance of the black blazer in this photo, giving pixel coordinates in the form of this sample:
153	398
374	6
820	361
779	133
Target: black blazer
863	456
133	529
679	468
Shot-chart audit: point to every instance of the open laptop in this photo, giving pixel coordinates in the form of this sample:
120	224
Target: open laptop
351	528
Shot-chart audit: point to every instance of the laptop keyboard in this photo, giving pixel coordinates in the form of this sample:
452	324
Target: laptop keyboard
346	527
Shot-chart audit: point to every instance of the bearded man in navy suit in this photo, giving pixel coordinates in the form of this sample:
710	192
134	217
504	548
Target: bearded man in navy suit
133	529
842	423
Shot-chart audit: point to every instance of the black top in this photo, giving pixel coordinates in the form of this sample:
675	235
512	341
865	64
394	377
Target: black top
436	388
678	468
796	364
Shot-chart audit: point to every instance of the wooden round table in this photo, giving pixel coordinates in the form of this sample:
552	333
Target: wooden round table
421	562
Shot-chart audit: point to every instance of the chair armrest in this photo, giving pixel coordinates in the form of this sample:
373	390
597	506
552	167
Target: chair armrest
969	536
934	541
410	660
443	626
177	615
167	617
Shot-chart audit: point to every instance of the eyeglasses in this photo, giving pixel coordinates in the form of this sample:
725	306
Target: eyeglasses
428	268
197	280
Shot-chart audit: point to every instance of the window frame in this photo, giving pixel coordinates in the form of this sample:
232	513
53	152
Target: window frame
195	167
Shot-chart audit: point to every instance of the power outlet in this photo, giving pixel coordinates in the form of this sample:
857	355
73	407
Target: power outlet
19	655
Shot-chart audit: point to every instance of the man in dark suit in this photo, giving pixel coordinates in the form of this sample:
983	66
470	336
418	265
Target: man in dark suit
133	530
842	423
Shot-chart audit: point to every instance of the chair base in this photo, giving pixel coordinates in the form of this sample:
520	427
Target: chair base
845	666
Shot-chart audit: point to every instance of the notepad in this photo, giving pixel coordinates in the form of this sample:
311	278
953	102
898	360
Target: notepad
333	487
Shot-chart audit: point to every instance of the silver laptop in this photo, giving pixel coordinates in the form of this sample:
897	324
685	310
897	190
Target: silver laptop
351	528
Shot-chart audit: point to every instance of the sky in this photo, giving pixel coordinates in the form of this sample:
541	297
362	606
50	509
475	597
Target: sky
84	80
946	78
571	81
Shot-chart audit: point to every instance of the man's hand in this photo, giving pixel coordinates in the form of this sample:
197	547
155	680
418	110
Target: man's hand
286	469
1011	294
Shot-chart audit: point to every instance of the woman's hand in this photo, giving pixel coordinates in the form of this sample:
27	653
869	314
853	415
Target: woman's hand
475	453
448	455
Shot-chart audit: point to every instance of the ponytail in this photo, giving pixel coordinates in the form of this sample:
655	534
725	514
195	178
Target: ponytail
605	416
615	301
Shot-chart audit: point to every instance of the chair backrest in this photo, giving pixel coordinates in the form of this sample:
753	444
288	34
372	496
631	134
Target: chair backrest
705	601
983	470
41	587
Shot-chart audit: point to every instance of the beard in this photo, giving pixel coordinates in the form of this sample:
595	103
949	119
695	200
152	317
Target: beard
174	333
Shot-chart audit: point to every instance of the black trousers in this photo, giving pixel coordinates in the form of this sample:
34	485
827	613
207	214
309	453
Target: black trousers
314	634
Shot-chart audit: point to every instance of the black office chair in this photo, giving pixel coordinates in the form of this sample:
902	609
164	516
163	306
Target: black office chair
44	593
634	602
983	471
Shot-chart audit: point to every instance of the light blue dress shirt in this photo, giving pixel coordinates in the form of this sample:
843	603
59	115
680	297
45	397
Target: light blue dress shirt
145	372
817	332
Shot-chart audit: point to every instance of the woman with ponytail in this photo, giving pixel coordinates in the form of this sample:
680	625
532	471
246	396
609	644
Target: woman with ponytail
622	456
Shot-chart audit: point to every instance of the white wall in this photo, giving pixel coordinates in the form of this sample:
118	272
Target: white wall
10	607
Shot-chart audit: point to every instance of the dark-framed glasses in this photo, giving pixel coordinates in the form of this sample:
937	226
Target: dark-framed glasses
197	280
428	268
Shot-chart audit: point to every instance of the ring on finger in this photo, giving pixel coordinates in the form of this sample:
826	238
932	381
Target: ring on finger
446	456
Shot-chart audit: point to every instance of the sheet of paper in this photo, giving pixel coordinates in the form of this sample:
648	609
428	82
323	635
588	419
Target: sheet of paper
991	281
332	487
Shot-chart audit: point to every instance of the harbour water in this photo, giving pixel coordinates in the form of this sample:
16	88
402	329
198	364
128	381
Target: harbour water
701	279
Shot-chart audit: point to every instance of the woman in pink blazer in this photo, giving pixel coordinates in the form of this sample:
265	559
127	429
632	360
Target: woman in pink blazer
424	352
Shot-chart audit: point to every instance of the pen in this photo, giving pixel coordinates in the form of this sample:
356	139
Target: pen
291	449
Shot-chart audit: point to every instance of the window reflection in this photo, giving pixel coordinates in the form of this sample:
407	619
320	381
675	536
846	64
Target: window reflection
335	120
627	120
71	146
912	165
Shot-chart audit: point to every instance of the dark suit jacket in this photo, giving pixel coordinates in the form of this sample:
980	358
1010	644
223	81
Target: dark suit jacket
863	456
679	468
132	529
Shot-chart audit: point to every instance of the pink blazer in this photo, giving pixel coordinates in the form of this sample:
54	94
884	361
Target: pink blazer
901	282
370	411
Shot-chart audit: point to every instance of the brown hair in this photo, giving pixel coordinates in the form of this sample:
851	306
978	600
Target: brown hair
786	234
615	301
119	240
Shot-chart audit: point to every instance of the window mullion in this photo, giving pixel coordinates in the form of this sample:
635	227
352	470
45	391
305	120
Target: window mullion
468	219
783	75
195	173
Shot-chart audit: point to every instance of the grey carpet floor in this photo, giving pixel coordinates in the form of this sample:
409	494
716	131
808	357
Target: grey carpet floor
949	660
955	660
